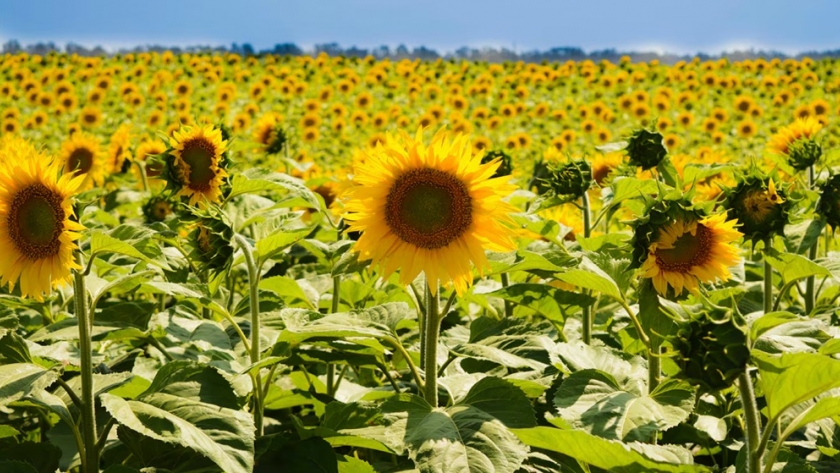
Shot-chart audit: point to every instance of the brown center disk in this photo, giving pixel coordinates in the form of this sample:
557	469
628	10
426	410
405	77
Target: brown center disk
688	251
428	208
81	160
35	221
198	153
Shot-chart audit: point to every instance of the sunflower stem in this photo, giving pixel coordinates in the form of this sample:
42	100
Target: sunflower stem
141	167
90	455
253	283
810	295
752	422
508	304
432	329
587	310
331	386
768	277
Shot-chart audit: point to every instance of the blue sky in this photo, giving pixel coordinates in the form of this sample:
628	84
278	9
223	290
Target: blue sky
681	26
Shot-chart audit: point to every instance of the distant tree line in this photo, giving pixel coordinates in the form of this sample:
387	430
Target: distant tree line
421	52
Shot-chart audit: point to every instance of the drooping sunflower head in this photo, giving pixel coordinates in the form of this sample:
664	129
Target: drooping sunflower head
432	208
760	206
796	141
37	233
157	208
196	164
712	349
82	156
646	149
828	205
571	178
211	239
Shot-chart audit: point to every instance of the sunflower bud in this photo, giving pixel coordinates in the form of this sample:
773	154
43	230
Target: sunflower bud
573	178
828	205
156	209
646	149
803	153
278	140
759	206
505	166
211	238
539	177
713	350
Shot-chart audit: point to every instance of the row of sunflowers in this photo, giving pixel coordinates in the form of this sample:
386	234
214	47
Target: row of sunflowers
223	263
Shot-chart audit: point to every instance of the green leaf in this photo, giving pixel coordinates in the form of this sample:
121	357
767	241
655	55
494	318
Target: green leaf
225	436
18	380
770	320
792	266
608	455
594	401
524	260
44	457
14	466
286	288
103	243
256	180
277	241
377	322
550	302
458	439
823	408
790	379
588	275
628	188
656	323
13	348
502	400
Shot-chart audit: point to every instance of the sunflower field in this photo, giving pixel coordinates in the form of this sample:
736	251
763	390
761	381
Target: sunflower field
218	263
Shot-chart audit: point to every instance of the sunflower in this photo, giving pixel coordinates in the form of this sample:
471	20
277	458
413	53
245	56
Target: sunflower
428	208
118	150
36	231
686	253
90	117
802	128
147	149
81	154
197	154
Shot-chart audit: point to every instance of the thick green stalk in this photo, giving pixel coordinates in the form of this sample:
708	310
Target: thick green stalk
331	386
587	310
90	455
508	304
768	278
432	329
253	283
810	294
752	422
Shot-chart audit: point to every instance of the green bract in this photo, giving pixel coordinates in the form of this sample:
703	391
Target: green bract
646	149
804	153
573	178
712	349
762	209
828	205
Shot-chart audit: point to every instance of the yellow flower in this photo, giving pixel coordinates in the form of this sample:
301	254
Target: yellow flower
118	149
81	154
430	208
37	236
801	128
687	253
197	153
